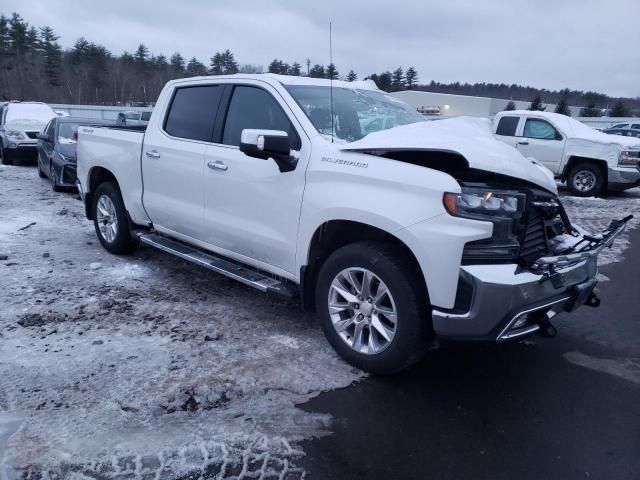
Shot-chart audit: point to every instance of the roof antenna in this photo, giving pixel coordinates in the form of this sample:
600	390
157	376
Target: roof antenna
331	69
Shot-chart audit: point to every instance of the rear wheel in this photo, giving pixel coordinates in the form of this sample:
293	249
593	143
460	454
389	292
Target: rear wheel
55	185
41	174
586	180
4	157
372	309
111	220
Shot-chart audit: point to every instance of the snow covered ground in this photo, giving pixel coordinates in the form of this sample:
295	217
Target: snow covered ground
147	367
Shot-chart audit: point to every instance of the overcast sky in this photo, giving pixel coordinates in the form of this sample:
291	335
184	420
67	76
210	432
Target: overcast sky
579	44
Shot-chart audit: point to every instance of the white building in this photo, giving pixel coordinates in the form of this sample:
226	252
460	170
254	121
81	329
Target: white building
448	105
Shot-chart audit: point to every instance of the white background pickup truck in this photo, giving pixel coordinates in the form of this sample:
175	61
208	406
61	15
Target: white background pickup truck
588	160
395	230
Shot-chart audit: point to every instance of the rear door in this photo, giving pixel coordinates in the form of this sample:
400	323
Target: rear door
252	209
45	147
173	156
542	141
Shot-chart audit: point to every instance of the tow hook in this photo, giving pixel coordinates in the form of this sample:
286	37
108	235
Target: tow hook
592	300
546	327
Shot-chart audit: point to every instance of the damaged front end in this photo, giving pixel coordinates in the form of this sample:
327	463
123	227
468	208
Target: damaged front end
535	265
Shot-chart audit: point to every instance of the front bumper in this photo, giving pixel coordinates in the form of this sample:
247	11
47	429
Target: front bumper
623	178
505	301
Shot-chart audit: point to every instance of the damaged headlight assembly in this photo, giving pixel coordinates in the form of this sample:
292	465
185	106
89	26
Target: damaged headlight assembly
503	208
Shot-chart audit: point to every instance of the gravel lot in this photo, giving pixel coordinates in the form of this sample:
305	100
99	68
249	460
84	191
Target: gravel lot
149	367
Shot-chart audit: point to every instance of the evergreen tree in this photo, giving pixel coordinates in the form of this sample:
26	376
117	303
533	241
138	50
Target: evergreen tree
332	72
411	77
295	69
397	80
563	107
229	63
317	71
195	68
619	109
217	64
278	66
352	76
536	104
383	80
177	64
590	111
52	54
510	106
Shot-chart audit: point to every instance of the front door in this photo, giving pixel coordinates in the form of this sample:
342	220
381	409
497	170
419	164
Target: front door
252	209
542	141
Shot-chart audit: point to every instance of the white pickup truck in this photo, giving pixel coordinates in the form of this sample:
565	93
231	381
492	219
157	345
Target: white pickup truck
590	161
393	231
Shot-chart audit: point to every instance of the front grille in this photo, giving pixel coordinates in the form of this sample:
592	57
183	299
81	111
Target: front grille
33	135
534	240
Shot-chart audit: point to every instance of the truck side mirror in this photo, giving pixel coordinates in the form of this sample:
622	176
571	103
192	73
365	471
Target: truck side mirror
265	144
42	136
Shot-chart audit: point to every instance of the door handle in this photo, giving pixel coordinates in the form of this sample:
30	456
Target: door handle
152	154
523	143
217	165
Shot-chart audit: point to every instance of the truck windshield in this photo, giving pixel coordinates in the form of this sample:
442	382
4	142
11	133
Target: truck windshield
356	113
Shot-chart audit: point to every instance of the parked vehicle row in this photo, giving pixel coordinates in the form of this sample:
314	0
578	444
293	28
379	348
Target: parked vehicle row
589	161
57	149
395	232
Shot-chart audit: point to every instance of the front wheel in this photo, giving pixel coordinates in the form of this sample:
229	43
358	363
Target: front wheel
372	308
111	220
585	180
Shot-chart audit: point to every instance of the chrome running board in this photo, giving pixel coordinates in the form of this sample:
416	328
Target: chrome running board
228	268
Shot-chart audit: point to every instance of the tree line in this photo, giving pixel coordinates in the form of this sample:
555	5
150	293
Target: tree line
33	66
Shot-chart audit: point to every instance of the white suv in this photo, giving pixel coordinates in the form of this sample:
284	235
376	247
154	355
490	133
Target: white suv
20	123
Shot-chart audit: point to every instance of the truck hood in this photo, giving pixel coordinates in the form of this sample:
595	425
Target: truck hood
470	137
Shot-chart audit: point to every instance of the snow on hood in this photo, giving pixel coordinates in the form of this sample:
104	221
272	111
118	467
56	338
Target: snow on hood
470	137
575	129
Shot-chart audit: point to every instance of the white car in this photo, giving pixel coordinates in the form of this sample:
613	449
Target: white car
20	123
417	230
590	161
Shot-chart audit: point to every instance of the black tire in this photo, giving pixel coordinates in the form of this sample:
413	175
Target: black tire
123	242
41	174
414	330
590	172
54	180
4	157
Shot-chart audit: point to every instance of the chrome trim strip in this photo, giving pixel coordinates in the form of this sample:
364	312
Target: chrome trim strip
506	335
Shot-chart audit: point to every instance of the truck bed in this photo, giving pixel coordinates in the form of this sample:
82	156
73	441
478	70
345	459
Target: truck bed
118	150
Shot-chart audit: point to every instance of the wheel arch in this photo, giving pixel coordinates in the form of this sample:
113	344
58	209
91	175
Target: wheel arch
334	234
97	175
575	159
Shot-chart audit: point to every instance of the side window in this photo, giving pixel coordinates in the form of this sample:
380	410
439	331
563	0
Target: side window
507	126
541	129
192	112
252	107
635	126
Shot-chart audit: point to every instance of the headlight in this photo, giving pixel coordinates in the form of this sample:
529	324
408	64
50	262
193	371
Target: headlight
67	159
629	157
503	208
16	135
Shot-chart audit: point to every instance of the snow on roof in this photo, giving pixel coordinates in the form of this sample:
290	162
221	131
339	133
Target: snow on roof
29	112
287	80
576	129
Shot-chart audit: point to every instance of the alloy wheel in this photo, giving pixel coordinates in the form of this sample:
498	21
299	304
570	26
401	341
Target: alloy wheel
106	218
363	311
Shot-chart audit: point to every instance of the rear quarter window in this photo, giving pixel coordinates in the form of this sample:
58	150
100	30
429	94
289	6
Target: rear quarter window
507	126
